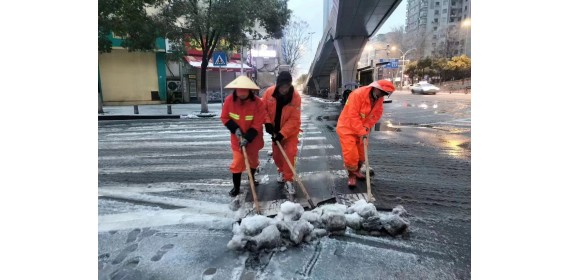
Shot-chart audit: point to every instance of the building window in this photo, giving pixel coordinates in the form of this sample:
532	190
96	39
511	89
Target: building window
450	19
433	45
435	28
436	20
434	37
444	2
444	11
436	12
437	4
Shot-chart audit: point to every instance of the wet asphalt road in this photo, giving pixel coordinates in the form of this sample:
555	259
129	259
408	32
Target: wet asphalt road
163	196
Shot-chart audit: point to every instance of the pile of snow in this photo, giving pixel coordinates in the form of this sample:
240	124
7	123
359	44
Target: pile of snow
293	225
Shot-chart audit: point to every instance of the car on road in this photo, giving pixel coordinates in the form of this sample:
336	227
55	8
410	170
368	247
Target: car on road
424	88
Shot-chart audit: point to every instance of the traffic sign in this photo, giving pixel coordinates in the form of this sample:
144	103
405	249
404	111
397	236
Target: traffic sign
220	59
392	63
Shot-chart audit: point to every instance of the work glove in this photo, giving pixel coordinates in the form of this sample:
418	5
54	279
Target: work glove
238	133
365	136
269	128
232	126
250	134
243	142
278	137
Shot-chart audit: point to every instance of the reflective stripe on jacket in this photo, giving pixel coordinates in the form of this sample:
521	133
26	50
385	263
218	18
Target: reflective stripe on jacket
358	112
246	113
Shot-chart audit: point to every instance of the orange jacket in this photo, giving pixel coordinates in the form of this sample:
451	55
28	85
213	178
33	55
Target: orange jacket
359	112
247	114
290	116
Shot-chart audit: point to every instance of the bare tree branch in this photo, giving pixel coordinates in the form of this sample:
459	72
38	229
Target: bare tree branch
294	43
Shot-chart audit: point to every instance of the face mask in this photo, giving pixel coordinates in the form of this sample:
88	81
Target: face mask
284	89
376	94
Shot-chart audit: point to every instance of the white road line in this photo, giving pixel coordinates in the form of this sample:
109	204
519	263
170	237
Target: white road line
315	138
158	168
160	132
160	144
164	155
336	173
315	147
165	137
313	132
334	157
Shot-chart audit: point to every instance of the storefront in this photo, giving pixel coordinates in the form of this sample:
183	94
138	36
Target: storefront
228	73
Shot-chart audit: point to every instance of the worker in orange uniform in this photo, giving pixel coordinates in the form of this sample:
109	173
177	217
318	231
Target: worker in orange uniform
243	114
362	110
283	121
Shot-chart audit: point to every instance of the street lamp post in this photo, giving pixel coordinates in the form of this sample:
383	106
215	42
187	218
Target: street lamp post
311	41
403	63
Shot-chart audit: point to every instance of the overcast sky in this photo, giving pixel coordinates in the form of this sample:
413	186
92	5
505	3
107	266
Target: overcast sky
311	11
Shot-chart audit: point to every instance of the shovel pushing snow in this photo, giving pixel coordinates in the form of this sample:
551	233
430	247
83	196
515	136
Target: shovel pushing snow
251	184
295	175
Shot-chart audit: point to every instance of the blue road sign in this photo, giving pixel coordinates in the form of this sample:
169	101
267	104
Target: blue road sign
220	59
393	63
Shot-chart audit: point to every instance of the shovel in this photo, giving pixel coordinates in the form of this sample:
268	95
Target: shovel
251	184
295	175
369	196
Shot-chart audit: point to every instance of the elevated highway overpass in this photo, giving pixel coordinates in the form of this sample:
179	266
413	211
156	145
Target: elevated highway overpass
350	25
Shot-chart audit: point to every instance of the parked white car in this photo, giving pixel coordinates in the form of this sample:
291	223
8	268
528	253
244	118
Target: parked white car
424	88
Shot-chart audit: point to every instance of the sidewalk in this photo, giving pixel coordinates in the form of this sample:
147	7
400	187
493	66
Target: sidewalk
178	111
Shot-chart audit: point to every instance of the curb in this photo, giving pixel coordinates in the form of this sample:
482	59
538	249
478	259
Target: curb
137	117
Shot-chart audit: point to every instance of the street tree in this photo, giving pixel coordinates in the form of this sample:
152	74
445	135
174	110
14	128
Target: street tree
209	25
460	67
131	20
425	67
439	66
302	79
294	43
412	70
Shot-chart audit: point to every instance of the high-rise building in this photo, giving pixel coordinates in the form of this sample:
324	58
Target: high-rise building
439	27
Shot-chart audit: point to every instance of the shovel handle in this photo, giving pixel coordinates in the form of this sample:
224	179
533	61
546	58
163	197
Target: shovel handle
369	198
295	175
251	184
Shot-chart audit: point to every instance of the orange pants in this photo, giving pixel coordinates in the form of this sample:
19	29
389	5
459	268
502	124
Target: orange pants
290	147
352	150
238	163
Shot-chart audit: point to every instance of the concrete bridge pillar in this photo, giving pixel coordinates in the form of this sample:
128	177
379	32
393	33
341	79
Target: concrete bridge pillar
315	81
348	50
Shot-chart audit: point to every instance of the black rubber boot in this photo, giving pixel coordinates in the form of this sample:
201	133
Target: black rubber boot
237	181
255	182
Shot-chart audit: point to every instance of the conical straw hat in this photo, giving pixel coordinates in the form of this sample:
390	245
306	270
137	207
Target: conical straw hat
242	82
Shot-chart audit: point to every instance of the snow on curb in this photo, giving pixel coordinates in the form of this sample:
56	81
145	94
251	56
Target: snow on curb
196	115
293	225
321	100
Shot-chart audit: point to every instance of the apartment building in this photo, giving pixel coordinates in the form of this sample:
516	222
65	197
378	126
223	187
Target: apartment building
439	28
